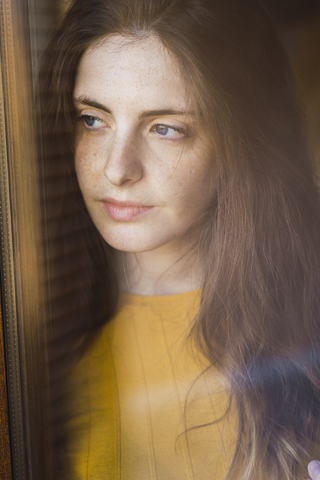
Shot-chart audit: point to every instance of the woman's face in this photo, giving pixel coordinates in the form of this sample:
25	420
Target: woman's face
143	162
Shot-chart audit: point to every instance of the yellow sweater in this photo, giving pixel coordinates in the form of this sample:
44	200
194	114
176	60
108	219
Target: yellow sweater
139	391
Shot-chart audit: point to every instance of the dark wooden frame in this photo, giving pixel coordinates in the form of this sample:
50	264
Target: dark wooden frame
21	265
5	454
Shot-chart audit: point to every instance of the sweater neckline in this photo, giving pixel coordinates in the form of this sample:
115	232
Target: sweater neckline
161	301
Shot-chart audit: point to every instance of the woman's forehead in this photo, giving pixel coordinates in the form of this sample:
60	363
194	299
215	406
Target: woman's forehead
126	70
118	44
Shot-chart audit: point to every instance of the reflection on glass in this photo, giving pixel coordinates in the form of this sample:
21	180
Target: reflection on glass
180	244
184	230
184	241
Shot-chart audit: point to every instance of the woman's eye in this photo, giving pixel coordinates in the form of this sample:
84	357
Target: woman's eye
169	132
91	121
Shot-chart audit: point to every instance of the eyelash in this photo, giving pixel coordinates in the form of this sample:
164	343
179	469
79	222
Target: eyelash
84	117
169	127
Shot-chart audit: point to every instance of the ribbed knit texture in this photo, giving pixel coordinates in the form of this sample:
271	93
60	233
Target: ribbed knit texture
139	389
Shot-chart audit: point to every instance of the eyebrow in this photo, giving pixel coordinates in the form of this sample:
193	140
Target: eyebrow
90	103
147	113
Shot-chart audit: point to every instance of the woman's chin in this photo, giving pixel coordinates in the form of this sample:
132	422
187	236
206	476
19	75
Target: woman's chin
136	245
144	242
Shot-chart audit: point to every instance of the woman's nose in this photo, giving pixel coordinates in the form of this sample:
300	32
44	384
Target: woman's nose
123	163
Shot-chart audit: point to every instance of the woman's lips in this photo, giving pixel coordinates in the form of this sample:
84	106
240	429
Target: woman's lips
124	212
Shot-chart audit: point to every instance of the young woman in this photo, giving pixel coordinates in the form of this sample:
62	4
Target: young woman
178	175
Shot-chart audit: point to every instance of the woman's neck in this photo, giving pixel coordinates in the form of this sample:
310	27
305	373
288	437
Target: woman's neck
161	272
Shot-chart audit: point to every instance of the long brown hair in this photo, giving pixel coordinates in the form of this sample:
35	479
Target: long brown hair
259	314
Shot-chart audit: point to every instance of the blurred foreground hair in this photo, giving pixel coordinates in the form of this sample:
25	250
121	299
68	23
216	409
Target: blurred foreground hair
260	240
